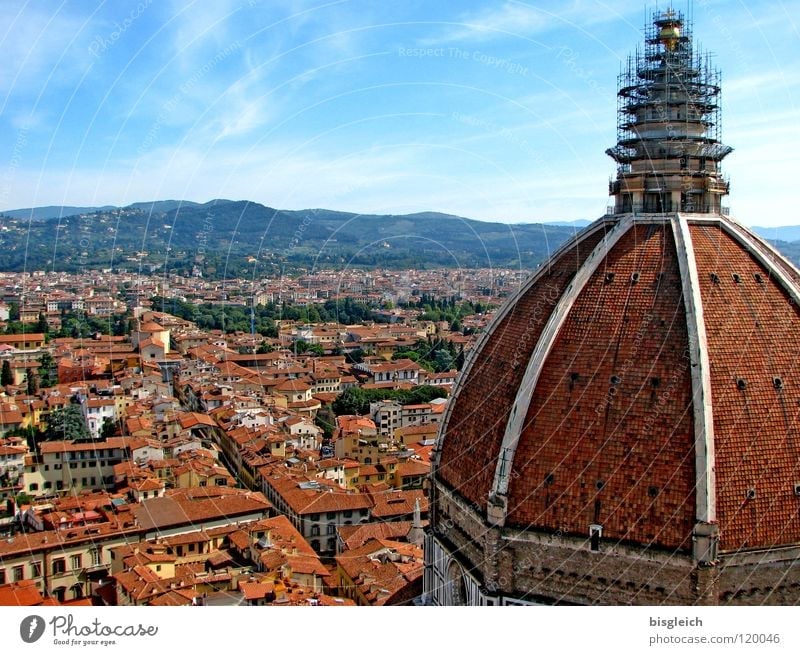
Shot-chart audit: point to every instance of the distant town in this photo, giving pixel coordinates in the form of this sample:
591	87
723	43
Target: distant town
179	441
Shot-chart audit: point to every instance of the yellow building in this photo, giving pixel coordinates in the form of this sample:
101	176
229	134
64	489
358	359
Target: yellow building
64	465
29	341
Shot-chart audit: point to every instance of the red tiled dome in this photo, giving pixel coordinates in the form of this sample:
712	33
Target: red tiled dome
645	379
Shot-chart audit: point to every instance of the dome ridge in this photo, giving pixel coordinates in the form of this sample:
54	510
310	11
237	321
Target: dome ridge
497	505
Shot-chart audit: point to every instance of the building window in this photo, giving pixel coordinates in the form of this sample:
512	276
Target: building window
314	530
331	528
33	486
48	484
36	569
331	515
59	566
595	534
2	576
19	573
315	545
94	555
76	561
348	513
315	517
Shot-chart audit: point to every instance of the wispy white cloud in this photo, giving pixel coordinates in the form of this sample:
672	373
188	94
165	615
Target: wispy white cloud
770	80
527	19
201	26
508	19
242	117
36	40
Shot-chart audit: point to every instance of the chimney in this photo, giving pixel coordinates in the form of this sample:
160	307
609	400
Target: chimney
416	534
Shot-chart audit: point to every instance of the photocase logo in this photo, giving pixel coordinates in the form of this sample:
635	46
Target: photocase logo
31	629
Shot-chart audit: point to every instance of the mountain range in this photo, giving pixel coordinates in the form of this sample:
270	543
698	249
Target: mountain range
241	238
227	237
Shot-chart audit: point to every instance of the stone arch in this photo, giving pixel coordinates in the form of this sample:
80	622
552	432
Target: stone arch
456	585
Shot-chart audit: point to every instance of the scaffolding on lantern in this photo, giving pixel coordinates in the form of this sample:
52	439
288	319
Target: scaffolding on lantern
668	118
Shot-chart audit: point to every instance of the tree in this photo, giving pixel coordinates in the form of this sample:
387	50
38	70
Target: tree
423	393
355	400
13	311
313	315
41	324
264	348
413	355
356	356
32	381
352	400
66	424
306	347
460	359
47	367
443	361
120	326
108	428
325	419
6	376
22	498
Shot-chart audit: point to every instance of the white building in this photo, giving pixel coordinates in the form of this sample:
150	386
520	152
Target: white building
96	411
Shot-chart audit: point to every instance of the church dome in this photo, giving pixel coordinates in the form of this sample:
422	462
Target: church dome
644	380
627	429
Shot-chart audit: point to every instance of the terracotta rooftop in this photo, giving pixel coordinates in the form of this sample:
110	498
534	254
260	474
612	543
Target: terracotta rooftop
47	447
22	593
385	572
193	507
314	497
355	536
391	504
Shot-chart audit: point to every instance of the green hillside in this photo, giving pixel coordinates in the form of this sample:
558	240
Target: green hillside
224	237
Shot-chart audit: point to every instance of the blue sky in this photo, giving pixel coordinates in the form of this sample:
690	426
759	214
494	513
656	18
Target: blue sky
495	110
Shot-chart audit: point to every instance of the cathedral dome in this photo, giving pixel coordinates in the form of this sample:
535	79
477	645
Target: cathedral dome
645	380
627	429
